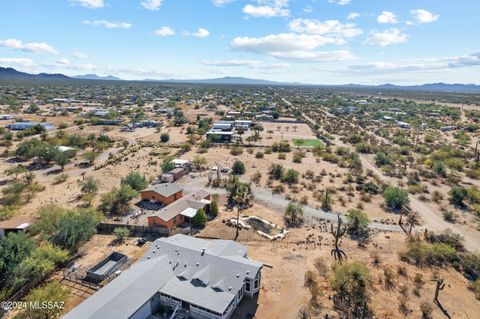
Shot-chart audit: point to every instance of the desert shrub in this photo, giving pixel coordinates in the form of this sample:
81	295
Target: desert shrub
259	155
282	146
476	288
449	216
351	282
426	310
135	181
395	197
448	237
236	150
291	177
436	254
238	168
457	195
60	178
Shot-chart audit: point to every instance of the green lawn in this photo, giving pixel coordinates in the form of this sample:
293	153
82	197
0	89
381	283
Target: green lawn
307	143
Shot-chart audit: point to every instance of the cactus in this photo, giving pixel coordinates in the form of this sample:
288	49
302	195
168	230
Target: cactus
336	252
440	286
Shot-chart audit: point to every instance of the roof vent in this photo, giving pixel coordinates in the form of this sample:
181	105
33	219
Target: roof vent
203	251
197	264
153	251
248	272
148	257
238	275
230	288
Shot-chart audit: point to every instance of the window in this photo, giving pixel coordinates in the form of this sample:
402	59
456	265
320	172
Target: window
247	286
255	286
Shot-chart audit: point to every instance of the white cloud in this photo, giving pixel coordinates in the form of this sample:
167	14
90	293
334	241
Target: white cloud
291	46
425	64
221	3
387	37
164	32
353	15
308	9
246	63
424	16
63	61
92	4
200	33
37	47
317	56
108	24
151	4
25	62
387	17
329	27
80	55
268	9
340	2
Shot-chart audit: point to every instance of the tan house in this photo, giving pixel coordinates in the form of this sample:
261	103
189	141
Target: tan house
163	193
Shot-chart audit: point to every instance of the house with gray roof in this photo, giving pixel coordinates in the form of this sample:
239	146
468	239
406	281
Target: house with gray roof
194	278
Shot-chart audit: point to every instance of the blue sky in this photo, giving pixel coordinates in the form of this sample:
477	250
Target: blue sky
310	41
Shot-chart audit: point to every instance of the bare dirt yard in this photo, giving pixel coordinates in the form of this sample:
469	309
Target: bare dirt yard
283	292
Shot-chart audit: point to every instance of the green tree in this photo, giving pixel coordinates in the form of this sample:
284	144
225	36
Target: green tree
395	197
121	233
41	262
89	186
238	168
90	156
214	209
357	222
135	181
76	227
293	213
53	292
200	219
116	201
167	164
14	248
61	159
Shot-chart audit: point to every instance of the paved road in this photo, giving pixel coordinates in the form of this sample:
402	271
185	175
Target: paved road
432	219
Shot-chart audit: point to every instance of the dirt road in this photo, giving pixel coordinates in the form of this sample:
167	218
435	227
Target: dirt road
278	202
431	217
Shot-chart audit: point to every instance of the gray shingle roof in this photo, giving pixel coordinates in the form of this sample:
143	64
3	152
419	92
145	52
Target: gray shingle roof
202	272
166	189
191	200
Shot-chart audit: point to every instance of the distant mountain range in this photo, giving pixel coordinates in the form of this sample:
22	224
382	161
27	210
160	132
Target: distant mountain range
12	74
226	80
96	77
